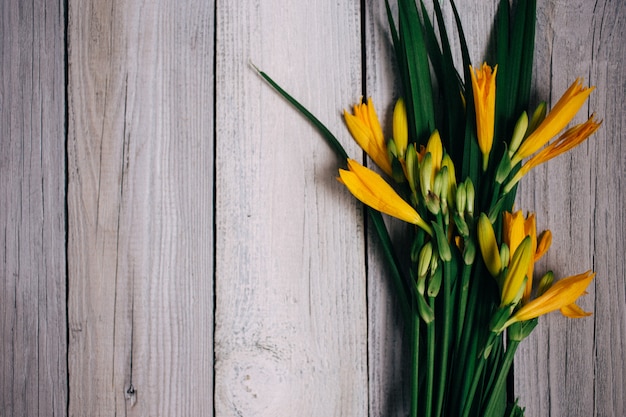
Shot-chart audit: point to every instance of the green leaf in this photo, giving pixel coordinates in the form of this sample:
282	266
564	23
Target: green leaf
330	138
417	79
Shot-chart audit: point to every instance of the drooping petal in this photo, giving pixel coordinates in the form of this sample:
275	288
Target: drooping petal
371	189
573	311
484	90
562	294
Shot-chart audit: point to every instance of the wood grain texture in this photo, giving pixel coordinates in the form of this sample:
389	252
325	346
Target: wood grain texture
140	207
258	290
33	349
577	368
291	318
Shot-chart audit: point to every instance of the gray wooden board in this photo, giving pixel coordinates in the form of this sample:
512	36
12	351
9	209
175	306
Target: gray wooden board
140	207
33	348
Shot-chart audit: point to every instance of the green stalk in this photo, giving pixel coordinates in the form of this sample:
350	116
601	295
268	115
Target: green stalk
502	374
415	345
430	363
467	407
445	341
467	270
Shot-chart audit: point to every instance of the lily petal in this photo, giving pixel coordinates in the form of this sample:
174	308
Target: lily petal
371	189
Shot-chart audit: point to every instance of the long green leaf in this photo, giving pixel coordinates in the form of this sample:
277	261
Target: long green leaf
375	216
327	134
418	71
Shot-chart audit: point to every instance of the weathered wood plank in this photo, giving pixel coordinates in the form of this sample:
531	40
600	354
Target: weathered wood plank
291	330
140	152
33	371
577	368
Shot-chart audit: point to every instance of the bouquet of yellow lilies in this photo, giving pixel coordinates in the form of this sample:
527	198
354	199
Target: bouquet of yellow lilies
456	156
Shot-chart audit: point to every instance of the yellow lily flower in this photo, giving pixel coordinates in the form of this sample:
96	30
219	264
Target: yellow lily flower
400	128
560	115
560	296
371	189
484	89
366	131
568	140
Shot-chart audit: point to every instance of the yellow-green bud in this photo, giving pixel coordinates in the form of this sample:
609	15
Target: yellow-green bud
460	198
470	194
426	172
438	184
469	252
425	256
538	115
519	132
451	187
545	283
514	282
504	254
411	167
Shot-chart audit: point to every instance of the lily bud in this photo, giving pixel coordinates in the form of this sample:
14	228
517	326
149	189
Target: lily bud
545	283
514	282
470	194
400	128
519	132
461	198
489	245
538	115
425	256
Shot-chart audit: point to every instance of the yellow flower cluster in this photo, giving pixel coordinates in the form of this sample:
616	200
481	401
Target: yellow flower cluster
434	194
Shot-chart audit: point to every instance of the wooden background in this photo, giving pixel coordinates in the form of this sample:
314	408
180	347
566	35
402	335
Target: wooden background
174	242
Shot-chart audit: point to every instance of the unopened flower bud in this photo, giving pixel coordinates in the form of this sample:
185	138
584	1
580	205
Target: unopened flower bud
400	128
425	256
470	194
489	245
460	198
519	132
505	253
435	148
469	253
438	184
411	168
538	115
545	283
451	187
426	172
514	283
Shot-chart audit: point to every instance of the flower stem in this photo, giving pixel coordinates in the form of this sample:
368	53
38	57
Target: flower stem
445	340
502	374
430	363
415	345
467	269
